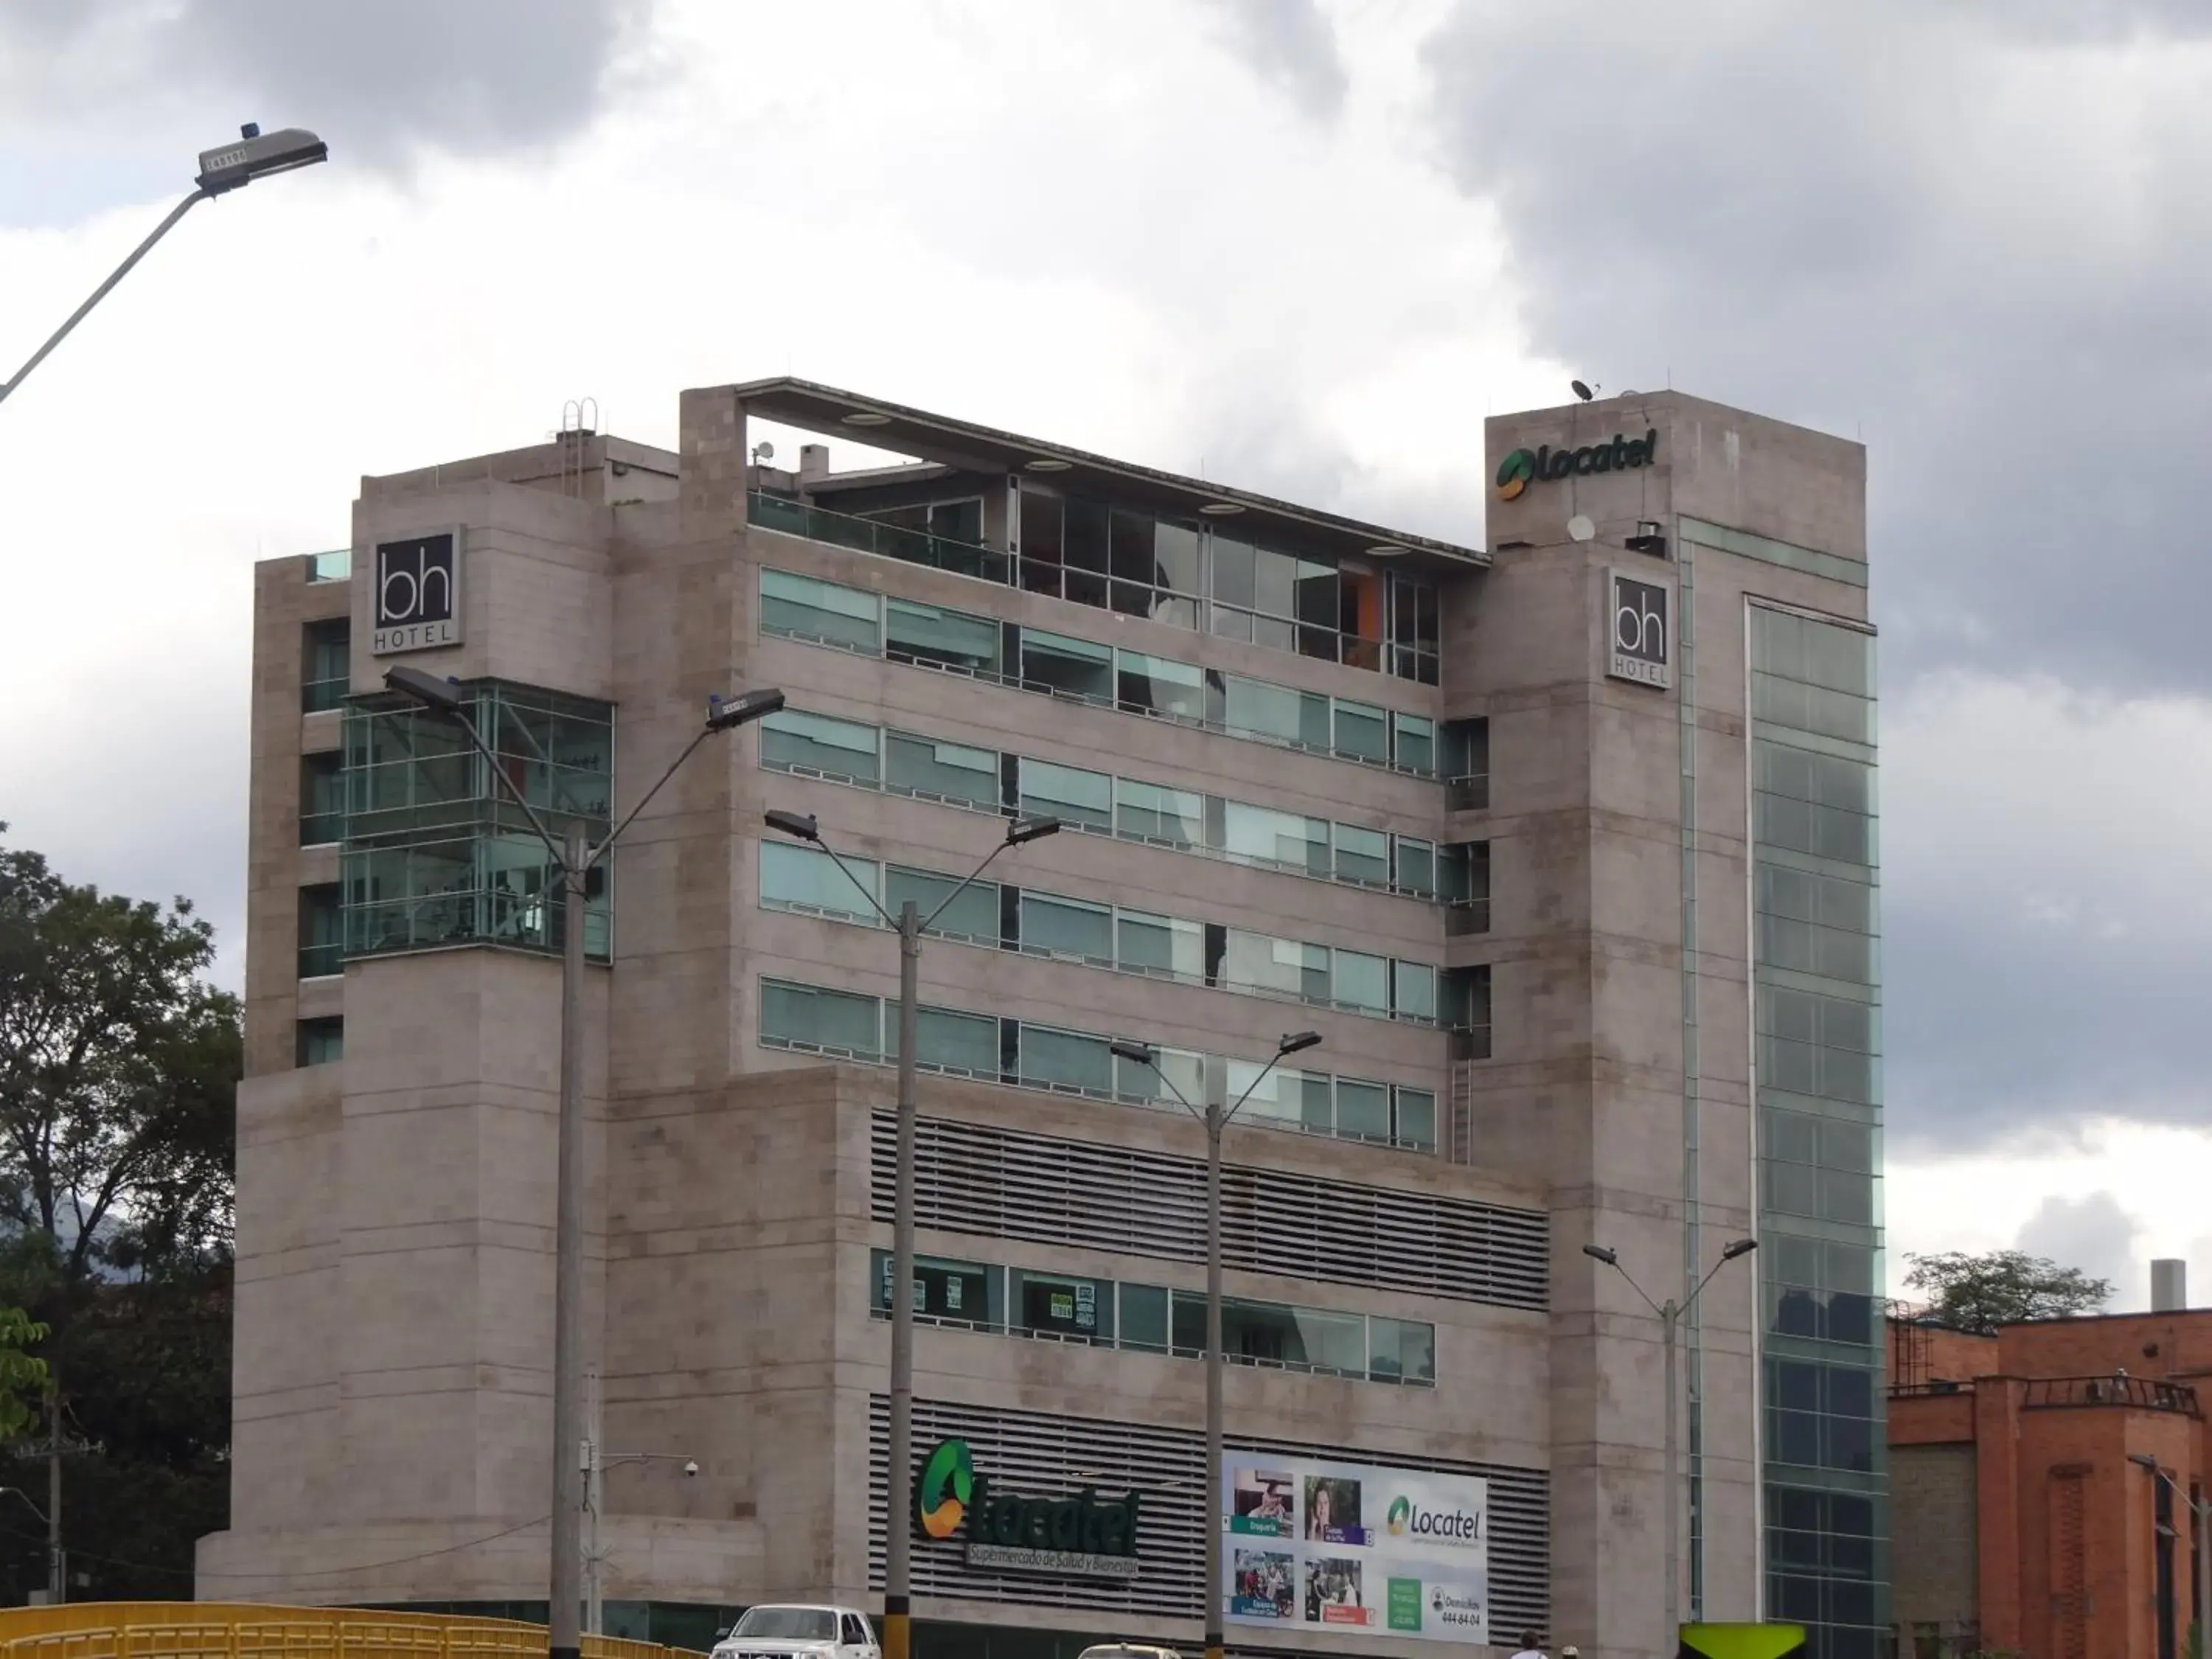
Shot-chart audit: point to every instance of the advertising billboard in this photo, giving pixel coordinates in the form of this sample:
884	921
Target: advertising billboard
1351	1549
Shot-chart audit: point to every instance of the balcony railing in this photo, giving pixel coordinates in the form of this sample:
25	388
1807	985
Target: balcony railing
2140	1393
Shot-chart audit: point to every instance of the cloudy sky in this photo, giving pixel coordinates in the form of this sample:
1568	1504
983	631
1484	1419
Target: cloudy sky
1304	245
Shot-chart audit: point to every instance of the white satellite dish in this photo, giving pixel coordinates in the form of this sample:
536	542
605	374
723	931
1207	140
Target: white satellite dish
1579	528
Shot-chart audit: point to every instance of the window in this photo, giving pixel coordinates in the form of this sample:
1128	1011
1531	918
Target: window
1465	1007
1413	743
1466	765
325	664
817	1020
1416	866
1463	883
1157	1084
1067	668
792	741
1155	685
804	608
944	1041
322	798
1066	1060
1363	855
1144	1316
1416	1118
1067	928
1363	1110
942	771
1079	799
1167	946
1363	733
1060	1306
973	915
1272	1333
849	1631
940	638
322	930
1278	713
1283	1096
1265	836
1413	991
1414	629
1259	962
1151	811
1361	982
947	535
1401	1350
318	1042
951	1292
794	878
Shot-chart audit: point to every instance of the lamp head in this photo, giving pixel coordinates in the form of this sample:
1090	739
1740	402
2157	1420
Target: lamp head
799	826
256	155
1295	1041
443	697
1599	1253
2145	1458
1740	1246
1137	1053
723	712
1021	832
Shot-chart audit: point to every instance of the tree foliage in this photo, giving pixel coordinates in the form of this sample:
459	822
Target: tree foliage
1980	1291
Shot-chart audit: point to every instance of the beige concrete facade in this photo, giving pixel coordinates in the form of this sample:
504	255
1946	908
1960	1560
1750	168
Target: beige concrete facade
395	1271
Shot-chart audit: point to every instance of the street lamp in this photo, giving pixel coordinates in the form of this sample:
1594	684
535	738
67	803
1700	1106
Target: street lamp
255	155
574	857
899	1468
1215	1121
595	1464
2200	1511
1670	1318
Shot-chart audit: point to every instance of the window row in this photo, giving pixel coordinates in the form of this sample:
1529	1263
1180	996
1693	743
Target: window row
1181	571
557	751
1134	681
846	1024
985	779
1155	1319
808	880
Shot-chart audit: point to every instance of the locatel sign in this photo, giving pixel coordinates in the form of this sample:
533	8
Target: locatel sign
1524	467
1082	1536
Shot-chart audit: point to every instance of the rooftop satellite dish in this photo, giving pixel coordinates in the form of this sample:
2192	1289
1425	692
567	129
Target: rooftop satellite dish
1582	391
1579	528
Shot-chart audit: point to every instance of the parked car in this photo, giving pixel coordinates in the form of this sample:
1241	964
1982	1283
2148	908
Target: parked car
799	1631
1128	1650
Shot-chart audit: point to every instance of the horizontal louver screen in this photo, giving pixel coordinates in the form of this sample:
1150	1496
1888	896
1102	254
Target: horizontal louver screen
1036	1453
1000	1183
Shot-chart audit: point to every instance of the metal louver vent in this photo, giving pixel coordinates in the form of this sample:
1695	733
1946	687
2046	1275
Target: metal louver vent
1002	1183
1036	1452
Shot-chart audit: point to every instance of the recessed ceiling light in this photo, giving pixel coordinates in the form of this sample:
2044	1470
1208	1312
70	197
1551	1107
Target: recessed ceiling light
1045	464
866	417
1387	550
1221	509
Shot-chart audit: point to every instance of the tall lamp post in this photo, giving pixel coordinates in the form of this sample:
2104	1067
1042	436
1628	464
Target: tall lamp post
899	1466
255	155
574	856
1670	1314
1215	1120
2200	1510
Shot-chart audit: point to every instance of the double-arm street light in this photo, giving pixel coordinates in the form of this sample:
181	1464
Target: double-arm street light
1670	1314
2200	1511
911	926
575	857
255	155
1215	1119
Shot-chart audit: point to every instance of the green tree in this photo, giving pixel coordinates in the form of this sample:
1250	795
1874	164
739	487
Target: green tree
1980	1291
22	1378
119	1071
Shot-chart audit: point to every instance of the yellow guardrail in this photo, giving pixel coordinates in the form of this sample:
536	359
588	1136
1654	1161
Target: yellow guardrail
237	1629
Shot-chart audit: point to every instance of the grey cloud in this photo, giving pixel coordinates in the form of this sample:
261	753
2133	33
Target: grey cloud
384	83
2095	1234
1289	45
1946	246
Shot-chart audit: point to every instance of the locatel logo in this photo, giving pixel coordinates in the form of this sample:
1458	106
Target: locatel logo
416	602
1514	474
1638	618
1624	454
948	1481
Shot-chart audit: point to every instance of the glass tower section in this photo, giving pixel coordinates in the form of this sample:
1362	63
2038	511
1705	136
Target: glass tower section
1817	978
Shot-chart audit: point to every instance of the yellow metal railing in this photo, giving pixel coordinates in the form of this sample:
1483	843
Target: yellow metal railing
219	1629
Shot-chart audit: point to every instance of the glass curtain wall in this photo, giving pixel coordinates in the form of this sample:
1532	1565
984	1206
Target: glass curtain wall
435	853
1816	896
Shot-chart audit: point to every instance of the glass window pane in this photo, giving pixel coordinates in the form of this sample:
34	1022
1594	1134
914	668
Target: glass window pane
1279	1096
1065	1059
1062	1306
1417	1118
1261	833
1416	866
1363	1110
1260	962
1067	668
802	1016
1144	1315
1274	582
1175	557
1156	1084
1232	571
1414	743
948	1041
1256	708
1363	855
942	771
836	749
805	879
947	639
1155	685
1075	797
1150	811
813	610
1067	928
1166	946
1363	733
1361	981
973	915
1413	990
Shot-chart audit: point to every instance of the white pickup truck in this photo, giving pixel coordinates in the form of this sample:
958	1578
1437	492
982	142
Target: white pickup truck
799	1631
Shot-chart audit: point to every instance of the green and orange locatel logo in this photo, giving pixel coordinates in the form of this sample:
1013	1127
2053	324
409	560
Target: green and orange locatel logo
1515	473
941	1495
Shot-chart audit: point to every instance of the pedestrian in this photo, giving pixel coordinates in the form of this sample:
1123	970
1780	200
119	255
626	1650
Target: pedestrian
1530	1646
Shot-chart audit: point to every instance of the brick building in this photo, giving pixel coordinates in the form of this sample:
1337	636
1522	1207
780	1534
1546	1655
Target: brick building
2023	1515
